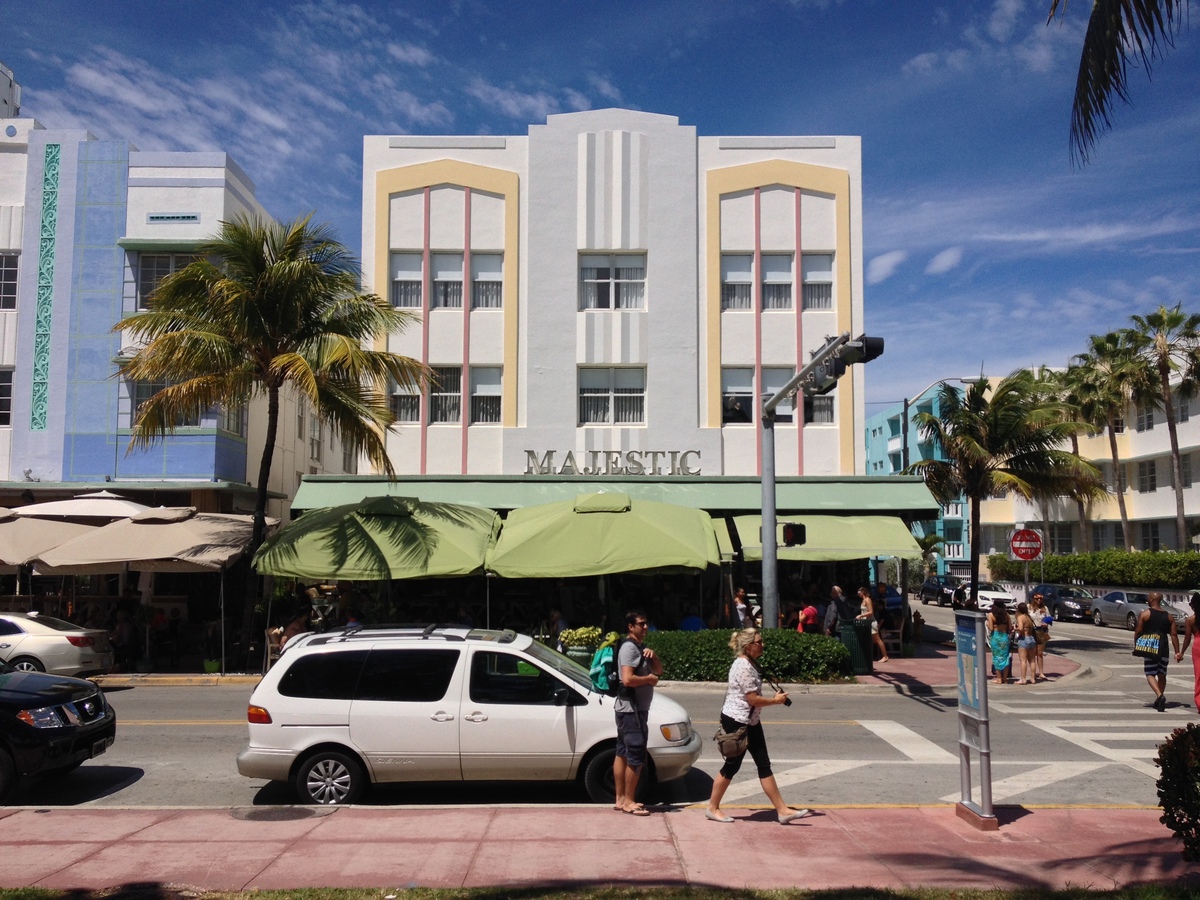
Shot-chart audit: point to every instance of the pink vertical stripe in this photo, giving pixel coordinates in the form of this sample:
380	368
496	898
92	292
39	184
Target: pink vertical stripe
798	302
426	291
468	286
757	295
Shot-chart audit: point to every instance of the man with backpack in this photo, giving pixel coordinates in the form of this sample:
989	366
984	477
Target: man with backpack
639	670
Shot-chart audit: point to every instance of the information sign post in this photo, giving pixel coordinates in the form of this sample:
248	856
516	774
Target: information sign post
970	641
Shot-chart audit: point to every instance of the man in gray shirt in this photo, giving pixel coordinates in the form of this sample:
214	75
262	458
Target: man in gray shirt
639	668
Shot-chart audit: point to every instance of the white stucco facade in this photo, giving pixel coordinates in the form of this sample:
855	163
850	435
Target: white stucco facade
606	294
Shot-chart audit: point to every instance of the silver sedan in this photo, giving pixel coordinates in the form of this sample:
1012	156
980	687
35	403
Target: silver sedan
35	643
1119	608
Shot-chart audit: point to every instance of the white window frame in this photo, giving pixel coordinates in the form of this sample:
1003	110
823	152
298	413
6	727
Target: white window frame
1145	418
1150	538
445	395
447	279
737	282
141	391
612	396
408	280
10	275
165	264
777	279
824	410
487	280
6	395
774	378
233	419
612	281
486	392
316	443
349	459
405	405
1185	465
816	276
737	395
1147	480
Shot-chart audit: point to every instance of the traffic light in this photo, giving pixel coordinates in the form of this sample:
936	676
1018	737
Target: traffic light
793	534
826	378
862	349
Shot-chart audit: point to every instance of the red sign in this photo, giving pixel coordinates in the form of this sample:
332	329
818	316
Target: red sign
1026	544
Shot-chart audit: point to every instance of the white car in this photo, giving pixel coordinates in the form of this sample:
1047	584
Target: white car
30	642
988	593
343	710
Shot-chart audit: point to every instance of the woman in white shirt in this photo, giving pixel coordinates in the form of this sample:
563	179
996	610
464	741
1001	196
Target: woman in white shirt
743	702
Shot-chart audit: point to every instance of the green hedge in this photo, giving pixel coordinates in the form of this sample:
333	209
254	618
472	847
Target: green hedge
1118	568
787	656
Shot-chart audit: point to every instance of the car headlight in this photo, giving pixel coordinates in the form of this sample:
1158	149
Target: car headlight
676	732
43	717
1072	603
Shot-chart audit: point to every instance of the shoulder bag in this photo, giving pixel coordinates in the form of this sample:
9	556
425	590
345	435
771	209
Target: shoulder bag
732	743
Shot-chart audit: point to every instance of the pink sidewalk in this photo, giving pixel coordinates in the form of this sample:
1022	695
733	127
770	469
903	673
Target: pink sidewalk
289	847
935	665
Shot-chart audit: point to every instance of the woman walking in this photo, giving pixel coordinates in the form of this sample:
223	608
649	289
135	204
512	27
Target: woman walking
743	704
866	612
1189	632
1041	634
1025	643
998	627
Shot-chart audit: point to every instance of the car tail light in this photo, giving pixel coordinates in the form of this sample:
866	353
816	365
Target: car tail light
82	640
256	715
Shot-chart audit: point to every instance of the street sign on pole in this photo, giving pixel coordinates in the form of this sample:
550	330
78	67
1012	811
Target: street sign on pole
1025	544
974	728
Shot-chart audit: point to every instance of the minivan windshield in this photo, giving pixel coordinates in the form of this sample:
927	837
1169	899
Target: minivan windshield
561	664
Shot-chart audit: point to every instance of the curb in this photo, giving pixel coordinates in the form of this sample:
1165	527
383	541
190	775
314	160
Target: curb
152	680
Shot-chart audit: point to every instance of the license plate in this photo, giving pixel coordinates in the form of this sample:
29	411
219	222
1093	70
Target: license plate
99	747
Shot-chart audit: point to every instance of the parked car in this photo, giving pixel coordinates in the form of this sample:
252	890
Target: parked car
49	724
1065	601
988	593
343	710
1119	607
939	589
31	642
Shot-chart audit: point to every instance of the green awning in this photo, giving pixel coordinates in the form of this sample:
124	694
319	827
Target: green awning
832	538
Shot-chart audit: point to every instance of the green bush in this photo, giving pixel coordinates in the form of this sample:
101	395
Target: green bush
787	656
1118	568
1179	787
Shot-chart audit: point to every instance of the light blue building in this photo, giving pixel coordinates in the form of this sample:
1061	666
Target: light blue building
894	442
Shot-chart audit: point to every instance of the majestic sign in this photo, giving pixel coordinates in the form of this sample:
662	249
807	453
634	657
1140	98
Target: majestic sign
613	462
1025	544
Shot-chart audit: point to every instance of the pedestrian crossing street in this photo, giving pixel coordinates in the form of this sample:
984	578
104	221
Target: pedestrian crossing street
1111	727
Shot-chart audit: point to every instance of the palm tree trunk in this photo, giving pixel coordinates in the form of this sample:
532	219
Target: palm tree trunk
1085	539
1119	479
1164	377
260	515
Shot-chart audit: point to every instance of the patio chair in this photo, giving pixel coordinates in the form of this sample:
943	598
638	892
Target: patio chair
271	647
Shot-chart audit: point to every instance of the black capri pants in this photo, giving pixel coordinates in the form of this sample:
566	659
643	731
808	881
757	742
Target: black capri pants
756	745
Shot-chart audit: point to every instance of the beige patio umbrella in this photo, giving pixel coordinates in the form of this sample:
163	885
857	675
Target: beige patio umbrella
23	539
103	505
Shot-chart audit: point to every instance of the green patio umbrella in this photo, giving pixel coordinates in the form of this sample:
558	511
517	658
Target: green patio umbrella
381	538
832	538
603	534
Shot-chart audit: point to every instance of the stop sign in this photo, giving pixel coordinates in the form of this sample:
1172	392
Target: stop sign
1025	544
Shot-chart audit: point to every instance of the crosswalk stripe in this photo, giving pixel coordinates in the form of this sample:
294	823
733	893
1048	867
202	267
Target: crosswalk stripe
1126	757
1091	710
810	772
1121	735
1038	778
907	741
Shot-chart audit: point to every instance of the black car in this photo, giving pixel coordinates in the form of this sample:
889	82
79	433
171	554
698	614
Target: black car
939	589
49	724
1065	601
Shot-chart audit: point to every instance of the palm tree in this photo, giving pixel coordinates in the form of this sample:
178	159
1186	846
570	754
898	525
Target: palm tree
929	544
1110	377
1065	387
269	305
1169	341
1118	31
1007	439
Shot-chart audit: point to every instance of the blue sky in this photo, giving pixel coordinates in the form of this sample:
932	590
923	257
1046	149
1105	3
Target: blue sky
984	247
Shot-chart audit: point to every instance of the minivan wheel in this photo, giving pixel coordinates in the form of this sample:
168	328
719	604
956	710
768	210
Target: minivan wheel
598	778
329	777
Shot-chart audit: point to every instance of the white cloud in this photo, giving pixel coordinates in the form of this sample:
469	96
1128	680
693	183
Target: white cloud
410	54
513	103
605	88
884	266
1003	19
945	261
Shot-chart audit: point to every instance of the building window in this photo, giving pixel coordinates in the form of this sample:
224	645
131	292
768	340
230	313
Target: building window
817	277
406	406
737	396
952	510
1060	539
952	532
447	281
445	395
1147	477
6	376
612	396
1150	540
349	460
315	445
777	281
8	280
406	280
485	395
141	391
1145	418
612	282
1185	464
232	419
301	406
774	378
822	410
1182	411
737	281
154	267
1118	426
1100	536
487	280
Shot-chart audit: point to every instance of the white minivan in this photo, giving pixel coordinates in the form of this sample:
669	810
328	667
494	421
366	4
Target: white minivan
341	710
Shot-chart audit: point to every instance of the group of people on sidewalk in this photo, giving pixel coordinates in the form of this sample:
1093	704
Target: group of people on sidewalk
1028	630
640	668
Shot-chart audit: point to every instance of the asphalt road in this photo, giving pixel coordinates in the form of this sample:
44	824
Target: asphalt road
1088	740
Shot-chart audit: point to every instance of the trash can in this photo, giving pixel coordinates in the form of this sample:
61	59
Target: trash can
856	637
